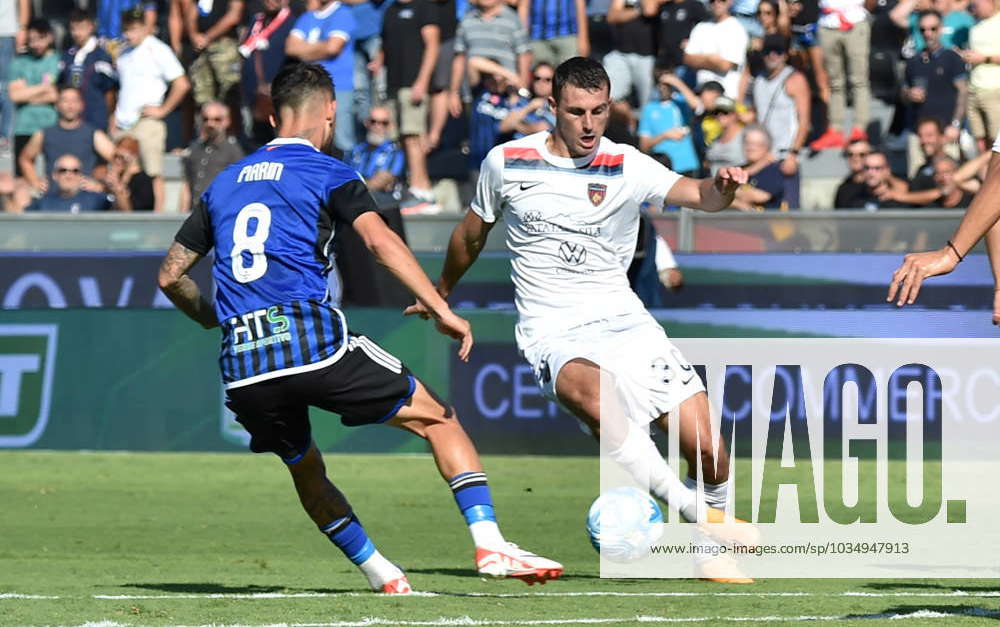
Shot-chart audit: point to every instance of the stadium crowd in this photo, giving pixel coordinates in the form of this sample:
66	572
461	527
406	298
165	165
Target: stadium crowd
95	93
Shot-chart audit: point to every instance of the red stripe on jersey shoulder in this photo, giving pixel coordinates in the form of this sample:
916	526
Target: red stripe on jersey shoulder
604	158
522	154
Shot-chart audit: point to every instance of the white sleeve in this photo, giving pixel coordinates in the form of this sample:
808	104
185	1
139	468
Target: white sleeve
488	203
664	258
653	180
996	144
695	44
170	68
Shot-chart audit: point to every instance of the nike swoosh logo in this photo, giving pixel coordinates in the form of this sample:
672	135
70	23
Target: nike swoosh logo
525	186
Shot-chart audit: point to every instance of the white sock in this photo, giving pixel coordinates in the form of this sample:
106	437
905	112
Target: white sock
716	495
486	534
379	570
640	457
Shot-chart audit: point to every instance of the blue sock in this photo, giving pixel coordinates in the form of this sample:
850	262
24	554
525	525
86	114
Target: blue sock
350	537
473	496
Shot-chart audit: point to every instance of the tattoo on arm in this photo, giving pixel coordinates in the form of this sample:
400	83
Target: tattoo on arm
182	291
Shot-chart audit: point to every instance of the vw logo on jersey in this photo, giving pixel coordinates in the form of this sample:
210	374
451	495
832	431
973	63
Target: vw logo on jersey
572	254
596	193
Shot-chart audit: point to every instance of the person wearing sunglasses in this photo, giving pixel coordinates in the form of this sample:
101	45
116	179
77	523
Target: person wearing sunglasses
935	86
853	184
67	193
379	159
209	153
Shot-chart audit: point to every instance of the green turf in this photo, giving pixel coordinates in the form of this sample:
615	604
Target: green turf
76	525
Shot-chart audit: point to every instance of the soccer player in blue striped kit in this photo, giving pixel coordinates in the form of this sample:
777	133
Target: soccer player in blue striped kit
271	218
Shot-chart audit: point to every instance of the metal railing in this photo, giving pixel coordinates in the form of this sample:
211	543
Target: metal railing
688	231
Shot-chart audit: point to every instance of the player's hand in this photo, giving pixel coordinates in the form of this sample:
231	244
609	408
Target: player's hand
906	280
728	180
457	328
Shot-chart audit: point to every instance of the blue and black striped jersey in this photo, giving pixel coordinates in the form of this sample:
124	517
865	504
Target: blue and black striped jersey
271	218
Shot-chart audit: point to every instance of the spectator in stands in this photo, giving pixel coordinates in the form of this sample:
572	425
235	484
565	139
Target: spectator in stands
32	86
905	15
130	187
983	56
630	64
535	115
769	187
68	194
727	149
495	98
152	85
264	52
932	143
110	22
677	18
410	46
805	48
446	17
952	195
367	42
844	34
379	159
936	84
558	28
663	128
88	66
70	135
877	188
854	183
717	48
773	21
208	155
13	34
783	103
215	70
956	23
491	30
323	35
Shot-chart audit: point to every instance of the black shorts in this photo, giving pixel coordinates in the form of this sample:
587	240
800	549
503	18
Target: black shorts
367	385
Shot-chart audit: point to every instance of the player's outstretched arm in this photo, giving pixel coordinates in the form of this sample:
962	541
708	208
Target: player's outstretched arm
182	291
391	252
980	218
713	194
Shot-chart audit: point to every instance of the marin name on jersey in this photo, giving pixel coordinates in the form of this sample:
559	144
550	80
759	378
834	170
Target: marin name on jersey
263	171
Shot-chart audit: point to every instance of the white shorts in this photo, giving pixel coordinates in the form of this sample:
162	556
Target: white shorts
634	348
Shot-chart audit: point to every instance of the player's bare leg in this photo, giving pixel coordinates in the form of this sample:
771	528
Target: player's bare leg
578	386
329	509
696	444
457	460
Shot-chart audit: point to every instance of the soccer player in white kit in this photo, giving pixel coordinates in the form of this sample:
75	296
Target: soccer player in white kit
570	199
979	220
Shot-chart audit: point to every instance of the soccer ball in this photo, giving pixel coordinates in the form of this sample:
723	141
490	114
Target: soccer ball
623	523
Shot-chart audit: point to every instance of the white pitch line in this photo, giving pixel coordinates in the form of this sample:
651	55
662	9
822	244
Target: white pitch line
508	595
468	621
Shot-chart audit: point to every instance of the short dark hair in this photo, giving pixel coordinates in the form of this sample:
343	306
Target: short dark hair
929	120
580	72
133	16
715	86
79	15
296	82
932	12
542	64
40	25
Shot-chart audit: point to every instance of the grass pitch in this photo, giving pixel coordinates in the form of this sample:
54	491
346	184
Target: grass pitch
192	539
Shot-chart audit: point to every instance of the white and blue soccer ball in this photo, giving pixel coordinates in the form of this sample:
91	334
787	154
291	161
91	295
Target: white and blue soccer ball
623	523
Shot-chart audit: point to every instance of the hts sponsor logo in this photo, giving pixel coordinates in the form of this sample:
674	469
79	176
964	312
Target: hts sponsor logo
27	365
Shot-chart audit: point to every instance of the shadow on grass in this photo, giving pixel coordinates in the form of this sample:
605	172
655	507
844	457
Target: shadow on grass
215	588
468	572
928	611
932	586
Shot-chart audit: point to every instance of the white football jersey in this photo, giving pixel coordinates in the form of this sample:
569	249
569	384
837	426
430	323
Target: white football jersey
571	227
